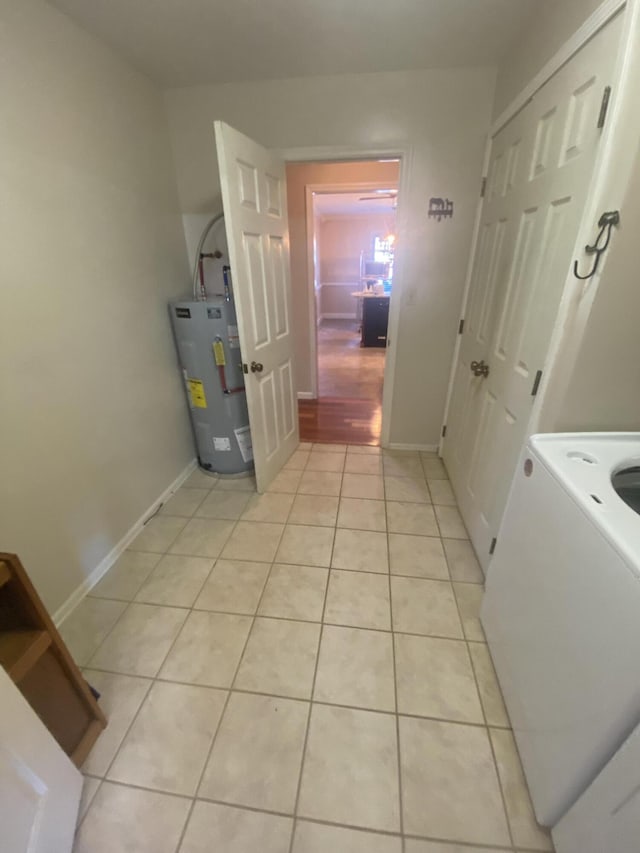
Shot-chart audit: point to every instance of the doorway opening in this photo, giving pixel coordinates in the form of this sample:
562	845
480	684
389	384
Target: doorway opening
350	241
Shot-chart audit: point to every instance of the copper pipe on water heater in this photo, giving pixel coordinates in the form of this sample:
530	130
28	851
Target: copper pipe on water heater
199	255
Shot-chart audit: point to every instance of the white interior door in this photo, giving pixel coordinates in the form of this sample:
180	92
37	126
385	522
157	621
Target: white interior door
255	207
541	167
39	786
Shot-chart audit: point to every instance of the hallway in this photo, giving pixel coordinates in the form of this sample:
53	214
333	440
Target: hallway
345	369
300	671
350	377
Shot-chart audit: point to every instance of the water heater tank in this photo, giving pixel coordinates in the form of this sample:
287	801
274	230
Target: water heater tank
206	335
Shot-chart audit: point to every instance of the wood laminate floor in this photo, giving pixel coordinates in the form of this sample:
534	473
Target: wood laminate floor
336	419
349	407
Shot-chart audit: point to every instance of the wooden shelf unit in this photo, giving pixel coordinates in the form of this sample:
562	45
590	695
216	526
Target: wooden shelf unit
38	662
20	650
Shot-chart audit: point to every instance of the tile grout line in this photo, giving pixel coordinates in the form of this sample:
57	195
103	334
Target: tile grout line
460	639
88	808
188	607
500	785
313	685
153	680
395	691
477	685
327	703
489	727
129	603
280	563
475	846
484	716
338	526
224	708
231	689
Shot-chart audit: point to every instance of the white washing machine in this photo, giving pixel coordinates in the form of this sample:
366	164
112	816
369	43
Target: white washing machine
606	818
562	610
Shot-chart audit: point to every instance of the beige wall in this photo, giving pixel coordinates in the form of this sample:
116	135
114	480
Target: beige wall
552	24
299	176
93	425
343	238
441	117
336	302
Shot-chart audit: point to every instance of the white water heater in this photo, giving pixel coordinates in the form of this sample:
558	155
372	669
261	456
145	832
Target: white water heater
206	335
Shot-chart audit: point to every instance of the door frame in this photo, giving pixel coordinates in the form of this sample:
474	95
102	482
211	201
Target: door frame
404	153
309	190
557	370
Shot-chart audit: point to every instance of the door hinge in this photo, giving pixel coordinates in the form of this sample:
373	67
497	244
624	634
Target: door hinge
483	187
604	106
245	368
461	327
444	430
492	547
536	383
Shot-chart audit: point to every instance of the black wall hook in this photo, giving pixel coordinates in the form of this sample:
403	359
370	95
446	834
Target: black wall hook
605	224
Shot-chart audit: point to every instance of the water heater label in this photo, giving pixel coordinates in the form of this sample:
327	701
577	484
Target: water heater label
218	353
196	392
221	443
243	437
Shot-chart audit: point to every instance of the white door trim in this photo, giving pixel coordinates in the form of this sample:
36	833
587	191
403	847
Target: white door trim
404	153
601	16
467	285
309	190
311	292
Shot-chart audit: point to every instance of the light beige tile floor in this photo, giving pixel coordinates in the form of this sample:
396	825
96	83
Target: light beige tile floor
300	672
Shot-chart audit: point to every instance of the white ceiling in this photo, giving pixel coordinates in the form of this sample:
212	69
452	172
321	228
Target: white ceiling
348	204
188	42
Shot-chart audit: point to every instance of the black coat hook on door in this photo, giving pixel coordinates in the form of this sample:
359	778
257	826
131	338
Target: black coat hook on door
605	224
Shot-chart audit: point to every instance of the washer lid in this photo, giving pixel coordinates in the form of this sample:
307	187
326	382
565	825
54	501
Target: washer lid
597	470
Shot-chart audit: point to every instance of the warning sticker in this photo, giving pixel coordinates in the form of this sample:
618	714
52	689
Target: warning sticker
218	353
196	392
234	338
243	437
221	443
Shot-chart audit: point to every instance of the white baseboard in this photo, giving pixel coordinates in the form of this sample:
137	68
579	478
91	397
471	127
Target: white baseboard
105	564
425	448
306	395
